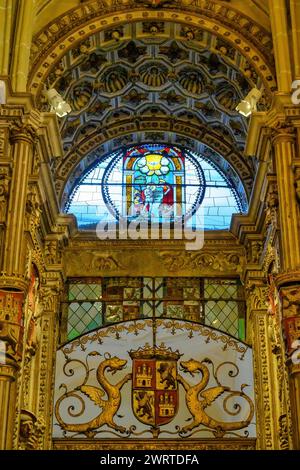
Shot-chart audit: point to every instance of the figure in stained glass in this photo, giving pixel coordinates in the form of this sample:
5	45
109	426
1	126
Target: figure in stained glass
157	183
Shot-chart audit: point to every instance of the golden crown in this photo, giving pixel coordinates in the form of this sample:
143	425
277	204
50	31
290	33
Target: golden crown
155	352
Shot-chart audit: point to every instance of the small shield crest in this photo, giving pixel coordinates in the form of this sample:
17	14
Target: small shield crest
155	387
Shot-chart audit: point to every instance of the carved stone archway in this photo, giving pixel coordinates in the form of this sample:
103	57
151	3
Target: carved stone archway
127	132
238	30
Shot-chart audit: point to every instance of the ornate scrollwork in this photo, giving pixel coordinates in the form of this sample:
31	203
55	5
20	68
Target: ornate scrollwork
109	406
197	405
258	297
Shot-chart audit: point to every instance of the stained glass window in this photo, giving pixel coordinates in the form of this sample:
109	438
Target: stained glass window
159	183
215	302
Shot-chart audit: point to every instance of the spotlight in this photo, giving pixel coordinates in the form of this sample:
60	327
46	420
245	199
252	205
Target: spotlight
58	105
248	104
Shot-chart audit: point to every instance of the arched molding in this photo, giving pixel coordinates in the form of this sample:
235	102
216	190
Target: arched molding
162	129
63	33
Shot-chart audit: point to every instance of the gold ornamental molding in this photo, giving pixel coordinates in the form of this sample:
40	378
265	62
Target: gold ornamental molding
159	444
66	31
288	278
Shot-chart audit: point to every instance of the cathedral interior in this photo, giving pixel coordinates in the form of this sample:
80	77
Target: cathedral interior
150	224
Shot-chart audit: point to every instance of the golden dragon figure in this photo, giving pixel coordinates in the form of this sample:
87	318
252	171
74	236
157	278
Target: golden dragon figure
110	406
197	399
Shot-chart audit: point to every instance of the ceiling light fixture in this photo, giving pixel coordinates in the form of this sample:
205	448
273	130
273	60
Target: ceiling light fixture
57	103
249	104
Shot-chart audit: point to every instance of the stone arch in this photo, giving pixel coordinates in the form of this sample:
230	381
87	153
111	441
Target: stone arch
241	32
191	135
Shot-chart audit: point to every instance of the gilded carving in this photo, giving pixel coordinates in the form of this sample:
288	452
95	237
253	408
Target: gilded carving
269	364
198	406
219	263
109	406
106	263
291	301
160	444
257	45
54	251
5	178
98	263
236	37
258	297
11	319
297	182
33	210
254	250
20	131
272	204
283	130
49	301
31	431
155	394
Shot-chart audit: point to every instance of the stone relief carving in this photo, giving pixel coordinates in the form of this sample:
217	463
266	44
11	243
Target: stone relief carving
5	178
31	431
254	250
186	260
33	210
272	204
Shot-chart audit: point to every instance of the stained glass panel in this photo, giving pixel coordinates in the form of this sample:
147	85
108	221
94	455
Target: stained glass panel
83	317
214	302
158	183
223	315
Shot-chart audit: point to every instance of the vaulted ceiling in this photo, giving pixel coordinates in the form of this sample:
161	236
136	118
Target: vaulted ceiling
153	80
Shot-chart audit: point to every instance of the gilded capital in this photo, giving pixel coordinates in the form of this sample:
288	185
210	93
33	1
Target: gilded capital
258	296
283	131
8	369
20	132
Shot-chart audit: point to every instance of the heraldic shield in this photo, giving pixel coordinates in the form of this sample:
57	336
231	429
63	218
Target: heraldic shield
154	383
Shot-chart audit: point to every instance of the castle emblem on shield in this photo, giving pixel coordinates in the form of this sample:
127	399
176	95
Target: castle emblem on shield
154	384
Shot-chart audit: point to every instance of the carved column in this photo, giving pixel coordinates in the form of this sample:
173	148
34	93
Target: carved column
288	282
11	332
22	139
295	20
6	8
284	146
50	298
13	280
8	374
272	411
22	42
290	296
278	16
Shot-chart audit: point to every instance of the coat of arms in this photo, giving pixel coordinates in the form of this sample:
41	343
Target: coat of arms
154	384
